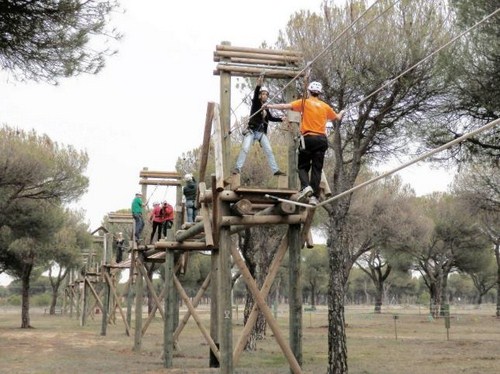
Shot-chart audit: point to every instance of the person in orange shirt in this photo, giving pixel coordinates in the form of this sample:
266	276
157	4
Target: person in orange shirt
315	115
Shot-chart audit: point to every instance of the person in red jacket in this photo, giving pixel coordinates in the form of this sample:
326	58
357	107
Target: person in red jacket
156	219
167	212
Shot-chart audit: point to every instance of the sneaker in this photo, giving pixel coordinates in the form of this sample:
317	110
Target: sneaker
313	200
305	193
279	172
235	171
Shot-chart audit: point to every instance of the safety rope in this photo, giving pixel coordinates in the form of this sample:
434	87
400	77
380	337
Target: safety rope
411	162
151	194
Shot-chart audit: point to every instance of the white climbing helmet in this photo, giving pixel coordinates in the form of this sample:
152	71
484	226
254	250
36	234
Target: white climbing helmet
188	177
315	87
264	89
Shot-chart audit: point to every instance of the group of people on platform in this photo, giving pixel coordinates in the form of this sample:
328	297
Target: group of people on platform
161	216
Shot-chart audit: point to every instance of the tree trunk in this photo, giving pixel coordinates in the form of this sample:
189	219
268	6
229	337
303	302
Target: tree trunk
53	303
444	295
337	347
55	283
497	256
379	294
435	294
25	305
313	295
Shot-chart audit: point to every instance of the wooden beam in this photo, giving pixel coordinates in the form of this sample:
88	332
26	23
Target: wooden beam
288	52
255	220
153	182
250	71
267	57
159	174
186	246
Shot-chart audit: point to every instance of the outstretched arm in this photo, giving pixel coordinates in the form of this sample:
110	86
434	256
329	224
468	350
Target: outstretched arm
278	106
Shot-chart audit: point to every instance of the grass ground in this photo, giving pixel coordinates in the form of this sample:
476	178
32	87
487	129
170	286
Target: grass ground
377	344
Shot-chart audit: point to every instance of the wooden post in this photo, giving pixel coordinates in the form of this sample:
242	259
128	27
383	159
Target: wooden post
130	291
224	298
139	290
224	276
84	303
214	362
105	309
168	330
295	291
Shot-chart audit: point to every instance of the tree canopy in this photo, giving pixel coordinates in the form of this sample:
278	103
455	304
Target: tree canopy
45	40
34	167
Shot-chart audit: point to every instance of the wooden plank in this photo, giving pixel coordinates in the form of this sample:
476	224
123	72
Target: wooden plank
159	174
260	62
250	71
228	47
257	56
154	182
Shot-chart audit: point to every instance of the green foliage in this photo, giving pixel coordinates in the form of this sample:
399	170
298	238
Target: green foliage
40	300
473	93
14	300
45	40
34	167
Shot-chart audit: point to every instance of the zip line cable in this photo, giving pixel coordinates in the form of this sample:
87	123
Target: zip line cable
411	162
423	60
386	174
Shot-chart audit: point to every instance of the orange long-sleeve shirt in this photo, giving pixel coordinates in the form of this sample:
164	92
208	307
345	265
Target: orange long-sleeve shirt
315	115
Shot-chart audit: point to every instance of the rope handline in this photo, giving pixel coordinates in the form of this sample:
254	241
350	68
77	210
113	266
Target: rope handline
152	193
420	158
424	59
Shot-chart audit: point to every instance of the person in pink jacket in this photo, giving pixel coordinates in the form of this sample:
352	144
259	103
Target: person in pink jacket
156	219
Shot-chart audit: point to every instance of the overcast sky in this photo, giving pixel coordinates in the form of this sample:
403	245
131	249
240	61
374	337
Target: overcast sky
148	105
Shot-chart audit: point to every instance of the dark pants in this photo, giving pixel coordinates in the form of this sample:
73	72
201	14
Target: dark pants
139	225
165	226
119	251
311	159
156	225
191	210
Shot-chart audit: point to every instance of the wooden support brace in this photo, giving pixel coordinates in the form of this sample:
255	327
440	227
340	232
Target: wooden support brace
252	285
196	301
193	312
266	287
117	303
